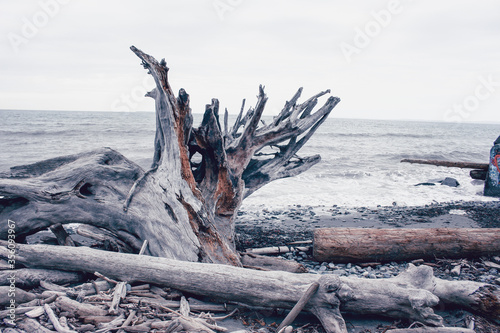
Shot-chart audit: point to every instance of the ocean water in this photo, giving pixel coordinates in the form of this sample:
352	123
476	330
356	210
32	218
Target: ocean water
360	158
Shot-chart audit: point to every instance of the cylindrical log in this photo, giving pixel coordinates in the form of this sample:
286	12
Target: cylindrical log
363	245
450	164
478	174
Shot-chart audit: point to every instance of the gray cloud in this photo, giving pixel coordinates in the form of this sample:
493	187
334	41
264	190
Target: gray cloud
417	64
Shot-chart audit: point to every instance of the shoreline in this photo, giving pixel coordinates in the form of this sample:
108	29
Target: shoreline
276	227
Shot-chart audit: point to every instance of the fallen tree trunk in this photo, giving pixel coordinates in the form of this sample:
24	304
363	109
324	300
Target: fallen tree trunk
364	245
450	164
186	203
411	295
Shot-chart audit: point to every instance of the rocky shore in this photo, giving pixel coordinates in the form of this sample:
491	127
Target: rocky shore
258	227
262	227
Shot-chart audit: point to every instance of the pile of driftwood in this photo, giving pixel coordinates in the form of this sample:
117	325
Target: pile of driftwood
145	306
106	305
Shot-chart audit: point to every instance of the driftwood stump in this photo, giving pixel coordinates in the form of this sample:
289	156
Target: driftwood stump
186	203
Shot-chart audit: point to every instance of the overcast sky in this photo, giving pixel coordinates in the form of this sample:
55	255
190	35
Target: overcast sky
425	60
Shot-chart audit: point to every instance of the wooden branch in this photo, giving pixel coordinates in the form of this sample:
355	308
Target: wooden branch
21	295
450	164
63	238
105	236
299	306
119	293
358	244
79	309
31	278
251	260
55	321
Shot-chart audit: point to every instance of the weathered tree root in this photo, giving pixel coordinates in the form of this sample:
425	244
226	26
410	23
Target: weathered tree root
185	205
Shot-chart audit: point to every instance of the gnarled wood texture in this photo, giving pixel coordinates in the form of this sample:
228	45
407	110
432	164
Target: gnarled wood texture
184	207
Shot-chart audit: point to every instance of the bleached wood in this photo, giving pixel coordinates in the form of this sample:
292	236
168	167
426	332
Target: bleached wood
30	278
55	321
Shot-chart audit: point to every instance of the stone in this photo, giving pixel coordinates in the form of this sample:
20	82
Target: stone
452	182
456	270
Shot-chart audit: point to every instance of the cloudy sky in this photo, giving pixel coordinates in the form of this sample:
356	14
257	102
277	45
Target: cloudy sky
390	59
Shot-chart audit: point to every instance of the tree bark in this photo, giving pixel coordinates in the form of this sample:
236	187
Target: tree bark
184	207
450	164
365	245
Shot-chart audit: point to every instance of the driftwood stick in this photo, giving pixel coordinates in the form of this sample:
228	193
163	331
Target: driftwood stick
255	261
143	247
31	277
118	294
36	312
299	306
129	318
32	325
63	238
18	311
276	249
450	164
79	309
176	305
55	321
105	278
103	235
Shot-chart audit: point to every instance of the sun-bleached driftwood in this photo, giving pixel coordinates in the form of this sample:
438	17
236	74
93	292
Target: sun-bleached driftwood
363	245
250	260
9	293
450	164
30	278
186	203
313	288
55	321
410	295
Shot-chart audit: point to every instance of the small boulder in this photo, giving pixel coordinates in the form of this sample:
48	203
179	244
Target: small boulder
452	182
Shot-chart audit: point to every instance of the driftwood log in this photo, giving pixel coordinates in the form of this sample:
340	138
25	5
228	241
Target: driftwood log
411	295
185	204
365	245
449	164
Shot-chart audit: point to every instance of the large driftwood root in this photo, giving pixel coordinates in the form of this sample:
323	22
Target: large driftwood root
186	203
411	295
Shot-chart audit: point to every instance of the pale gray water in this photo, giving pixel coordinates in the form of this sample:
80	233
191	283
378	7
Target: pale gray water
360	158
